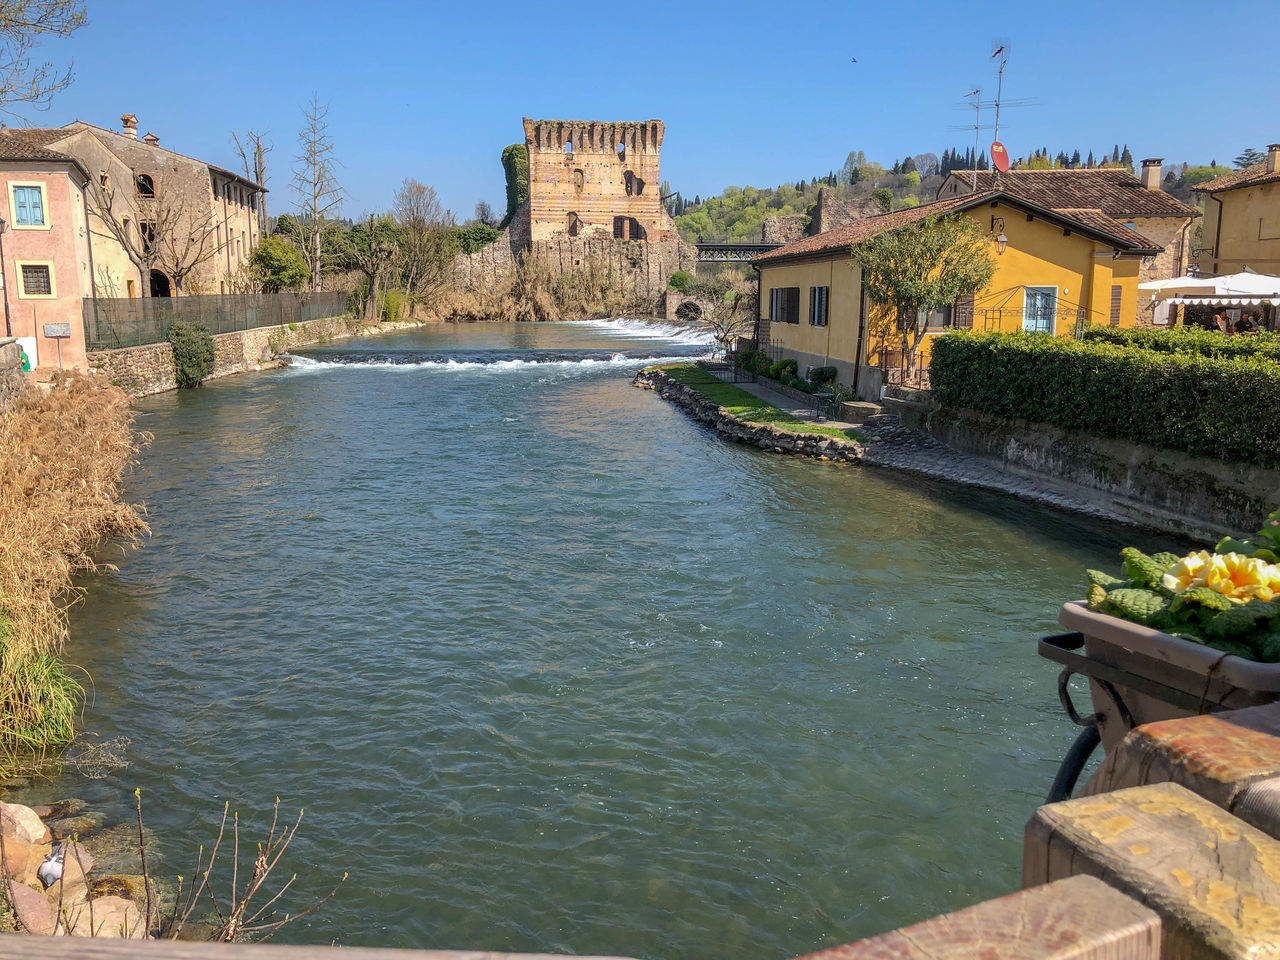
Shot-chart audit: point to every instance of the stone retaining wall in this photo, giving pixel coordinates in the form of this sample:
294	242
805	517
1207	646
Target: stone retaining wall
1164	489
146	370
765	436
12	382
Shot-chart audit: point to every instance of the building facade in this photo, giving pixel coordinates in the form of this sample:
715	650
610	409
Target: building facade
199	220
1242	219
1055	272
46	253
596	177
1138	203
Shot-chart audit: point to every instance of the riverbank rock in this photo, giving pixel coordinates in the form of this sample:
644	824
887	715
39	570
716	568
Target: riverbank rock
24	859
112	917
765	436
22	823
58	809
79	826
33	912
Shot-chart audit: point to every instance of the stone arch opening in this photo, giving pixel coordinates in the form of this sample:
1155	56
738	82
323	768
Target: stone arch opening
579	178
146	187
160	286
574	224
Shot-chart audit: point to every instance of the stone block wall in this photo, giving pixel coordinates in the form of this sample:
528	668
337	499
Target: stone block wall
12	382
146	370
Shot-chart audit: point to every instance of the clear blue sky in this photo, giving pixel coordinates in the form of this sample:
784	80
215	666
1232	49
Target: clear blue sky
751	92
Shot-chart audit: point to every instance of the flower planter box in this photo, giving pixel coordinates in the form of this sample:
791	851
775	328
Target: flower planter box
1138	675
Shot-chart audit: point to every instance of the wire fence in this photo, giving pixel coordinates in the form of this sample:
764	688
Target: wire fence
110	323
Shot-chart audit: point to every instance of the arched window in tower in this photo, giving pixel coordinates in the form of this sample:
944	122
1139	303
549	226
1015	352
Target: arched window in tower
575	224
622	151
579	178
146	187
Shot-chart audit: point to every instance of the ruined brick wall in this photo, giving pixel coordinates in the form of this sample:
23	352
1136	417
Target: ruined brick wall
12	382
783	228
831	211
591	175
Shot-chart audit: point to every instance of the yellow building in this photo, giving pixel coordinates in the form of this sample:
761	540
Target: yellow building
1242	219
1056	271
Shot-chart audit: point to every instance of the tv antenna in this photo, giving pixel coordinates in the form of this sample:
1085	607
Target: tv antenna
1001	53
976	95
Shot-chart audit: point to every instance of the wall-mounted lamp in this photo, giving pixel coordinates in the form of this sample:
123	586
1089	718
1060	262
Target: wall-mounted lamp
997	227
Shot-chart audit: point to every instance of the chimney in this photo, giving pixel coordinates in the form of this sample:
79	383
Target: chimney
130	124
1151	173
1273	158
152	139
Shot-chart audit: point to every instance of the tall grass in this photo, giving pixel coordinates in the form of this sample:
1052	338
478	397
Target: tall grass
63	453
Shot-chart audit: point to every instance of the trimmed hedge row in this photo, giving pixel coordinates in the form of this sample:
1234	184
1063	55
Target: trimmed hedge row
1227	408
1208	343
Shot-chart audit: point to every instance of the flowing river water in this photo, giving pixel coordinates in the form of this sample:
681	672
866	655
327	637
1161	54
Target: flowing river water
552	668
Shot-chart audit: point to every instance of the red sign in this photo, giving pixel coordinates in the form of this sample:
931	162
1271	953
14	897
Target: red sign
999	156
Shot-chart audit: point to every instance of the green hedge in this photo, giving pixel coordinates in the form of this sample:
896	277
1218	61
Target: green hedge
1220	407
1208	343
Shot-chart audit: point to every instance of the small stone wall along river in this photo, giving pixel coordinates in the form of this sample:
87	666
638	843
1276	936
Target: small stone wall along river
552	668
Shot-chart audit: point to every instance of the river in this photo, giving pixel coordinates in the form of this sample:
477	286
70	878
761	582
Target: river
552	668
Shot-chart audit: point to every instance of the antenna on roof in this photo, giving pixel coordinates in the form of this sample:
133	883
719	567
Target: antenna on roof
976	94
999	52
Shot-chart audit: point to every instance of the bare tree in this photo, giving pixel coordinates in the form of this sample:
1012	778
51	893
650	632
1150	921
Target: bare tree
315	182
159	225
427	241
253	150
484	213
724	306
23	25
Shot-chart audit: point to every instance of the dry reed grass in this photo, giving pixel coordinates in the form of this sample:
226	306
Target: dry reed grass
63	453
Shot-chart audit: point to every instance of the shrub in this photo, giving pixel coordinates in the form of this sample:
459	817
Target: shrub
193	353
475	237
681	280
1207	343
393	304
783	368
822	375
753	360
515	164
278	265
1208	406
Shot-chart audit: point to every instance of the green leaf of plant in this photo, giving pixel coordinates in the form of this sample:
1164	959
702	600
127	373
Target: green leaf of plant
1142	569
1102	579
1243	619
1140	606
1236	545
1165	559
1201	597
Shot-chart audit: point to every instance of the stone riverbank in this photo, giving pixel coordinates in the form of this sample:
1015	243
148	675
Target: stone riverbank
74	899
765	436
146	370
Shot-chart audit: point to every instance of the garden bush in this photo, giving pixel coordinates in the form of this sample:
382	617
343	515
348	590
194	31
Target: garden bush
1207	343
820	376
193	353
782	368
753	360
681	280
1209	406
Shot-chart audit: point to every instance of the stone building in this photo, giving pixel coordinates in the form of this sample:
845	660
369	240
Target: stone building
203	217
1242	219
594	201
592	176
1139	204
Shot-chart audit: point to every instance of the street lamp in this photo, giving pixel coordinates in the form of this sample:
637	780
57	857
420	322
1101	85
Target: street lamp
4	282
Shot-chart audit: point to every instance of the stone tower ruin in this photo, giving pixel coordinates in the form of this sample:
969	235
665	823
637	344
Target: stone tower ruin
596	178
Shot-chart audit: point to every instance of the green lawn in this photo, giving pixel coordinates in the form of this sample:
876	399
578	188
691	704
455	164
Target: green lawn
746	406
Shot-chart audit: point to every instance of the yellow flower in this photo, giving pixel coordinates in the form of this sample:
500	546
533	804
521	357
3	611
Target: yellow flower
1242	578
1188	572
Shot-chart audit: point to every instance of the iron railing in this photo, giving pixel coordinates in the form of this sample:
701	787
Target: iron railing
130	322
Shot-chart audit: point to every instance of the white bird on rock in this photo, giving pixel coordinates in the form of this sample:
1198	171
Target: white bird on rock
50	871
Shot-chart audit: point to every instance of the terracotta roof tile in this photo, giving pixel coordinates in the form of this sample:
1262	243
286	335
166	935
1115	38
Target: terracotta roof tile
860	230
1117	193
1108	226
1248	177
1088	220
15	145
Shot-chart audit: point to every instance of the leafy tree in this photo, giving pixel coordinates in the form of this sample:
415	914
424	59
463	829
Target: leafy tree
884	197
193	353
1075	160
1126	159
1089	163
908	166
922	267
475	237
681	280
1248	158
278	265
851	172
373	247
911	179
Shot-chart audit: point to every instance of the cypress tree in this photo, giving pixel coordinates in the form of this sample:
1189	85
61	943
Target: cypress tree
1075	160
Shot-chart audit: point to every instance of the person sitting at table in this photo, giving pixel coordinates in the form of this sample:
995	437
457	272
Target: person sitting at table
1244	324
1215	323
